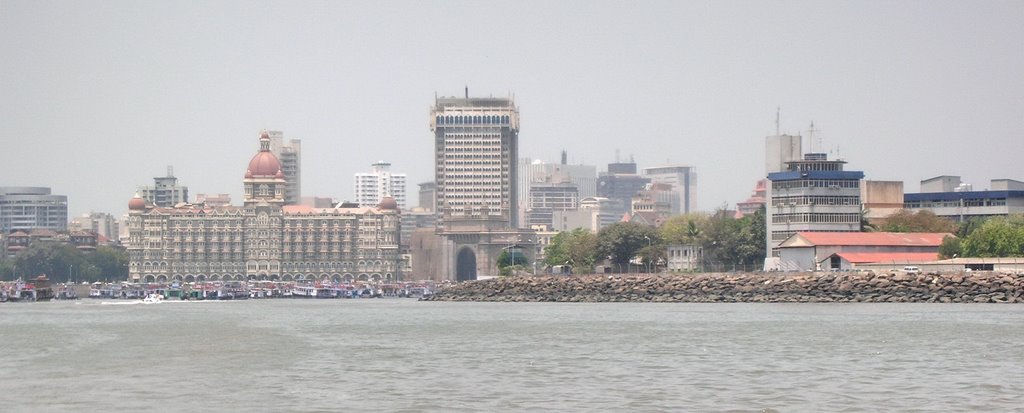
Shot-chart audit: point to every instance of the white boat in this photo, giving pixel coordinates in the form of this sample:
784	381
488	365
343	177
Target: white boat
153	298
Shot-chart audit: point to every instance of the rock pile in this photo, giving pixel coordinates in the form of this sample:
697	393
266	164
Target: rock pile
976	287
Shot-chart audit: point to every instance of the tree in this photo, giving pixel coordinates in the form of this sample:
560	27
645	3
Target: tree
577	247
106	264
622	240
684	229
56	260
997	237
727	240
921	221
950	247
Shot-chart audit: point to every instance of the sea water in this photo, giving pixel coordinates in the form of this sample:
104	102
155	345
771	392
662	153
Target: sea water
407	355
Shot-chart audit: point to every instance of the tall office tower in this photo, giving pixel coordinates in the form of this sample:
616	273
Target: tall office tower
476	144
621	183
372	187
780	149
165	191
428	195
812	195
683	180
32	207
536	171
547	197
290	155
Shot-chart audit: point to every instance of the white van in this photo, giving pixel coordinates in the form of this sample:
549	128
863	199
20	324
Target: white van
911	270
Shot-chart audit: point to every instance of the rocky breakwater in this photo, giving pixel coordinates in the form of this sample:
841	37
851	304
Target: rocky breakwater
976	287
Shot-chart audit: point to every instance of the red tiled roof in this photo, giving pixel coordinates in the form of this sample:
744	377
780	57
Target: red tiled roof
898	257
902	239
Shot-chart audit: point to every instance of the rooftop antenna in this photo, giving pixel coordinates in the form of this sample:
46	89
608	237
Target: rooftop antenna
170	170
810	136
778	110
467	91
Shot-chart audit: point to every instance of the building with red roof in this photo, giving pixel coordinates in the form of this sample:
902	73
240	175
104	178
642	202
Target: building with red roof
842	250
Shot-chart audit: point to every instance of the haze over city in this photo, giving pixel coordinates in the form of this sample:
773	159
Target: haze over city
100	97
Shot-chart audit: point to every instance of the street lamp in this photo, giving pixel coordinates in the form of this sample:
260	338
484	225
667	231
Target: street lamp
650	251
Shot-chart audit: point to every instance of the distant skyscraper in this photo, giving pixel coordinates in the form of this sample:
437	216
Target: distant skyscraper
683	180
621	183
476	154
28	208
290	156
380	182
99	223
531	172
428	195
780	149
165	191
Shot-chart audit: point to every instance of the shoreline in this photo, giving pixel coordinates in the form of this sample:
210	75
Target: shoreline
893	287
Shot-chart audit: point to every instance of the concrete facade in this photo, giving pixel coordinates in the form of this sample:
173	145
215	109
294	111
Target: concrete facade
780	150
881	199
372	187
165	191
26	208
813	194
290	154
682	179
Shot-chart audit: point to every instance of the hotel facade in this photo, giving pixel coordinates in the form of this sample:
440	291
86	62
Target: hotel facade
264	239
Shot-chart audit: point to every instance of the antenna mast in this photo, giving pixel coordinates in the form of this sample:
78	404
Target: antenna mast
778	110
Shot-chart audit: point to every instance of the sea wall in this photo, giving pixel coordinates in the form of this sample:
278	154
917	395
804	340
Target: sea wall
973	287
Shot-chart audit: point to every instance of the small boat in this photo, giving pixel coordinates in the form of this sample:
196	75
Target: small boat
153	298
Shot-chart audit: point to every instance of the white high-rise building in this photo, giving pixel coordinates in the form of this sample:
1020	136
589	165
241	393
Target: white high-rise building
374	186
290	156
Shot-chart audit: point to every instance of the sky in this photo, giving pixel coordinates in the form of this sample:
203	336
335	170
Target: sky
99	97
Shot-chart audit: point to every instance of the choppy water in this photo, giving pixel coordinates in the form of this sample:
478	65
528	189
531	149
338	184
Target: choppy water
404	355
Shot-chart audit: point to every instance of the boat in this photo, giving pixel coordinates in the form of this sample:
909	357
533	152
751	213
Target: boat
153	298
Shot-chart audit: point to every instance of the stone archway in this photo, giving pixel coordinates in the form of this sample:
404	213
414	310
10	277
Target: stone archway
465	265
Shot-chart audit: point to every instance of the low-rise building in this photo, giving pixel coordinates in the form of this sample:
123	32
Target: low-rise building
948	197
804	251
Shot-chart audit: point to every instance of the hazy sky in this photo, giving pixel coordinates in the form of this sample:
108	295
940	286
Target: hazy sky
97	98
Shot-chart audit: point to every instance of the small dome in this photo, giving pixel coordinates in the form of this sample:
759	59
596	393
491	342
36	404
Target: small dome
279	174
388	203
264	163
137	203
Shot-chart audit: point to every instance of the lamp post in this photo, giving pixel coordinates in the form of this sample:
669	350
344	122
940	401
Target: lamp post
650	250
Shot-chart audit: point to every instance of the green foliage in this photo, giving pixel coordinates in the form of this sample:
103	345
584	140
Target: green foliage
738	241
577	247
921	221
622	240
62	263
506	259
684	229
950	247
997	237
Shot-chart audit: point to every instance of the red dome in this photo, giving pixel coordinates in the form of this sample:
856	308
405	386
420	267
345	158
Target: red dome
137	204
388	203
264	163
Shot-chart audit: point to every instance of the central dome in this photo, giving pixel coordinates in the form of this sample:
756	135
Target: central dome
264	163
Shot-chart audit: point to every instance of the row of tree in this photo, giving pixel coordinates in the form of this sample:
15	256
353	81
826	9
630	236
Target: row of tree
975	237
62	263
723	240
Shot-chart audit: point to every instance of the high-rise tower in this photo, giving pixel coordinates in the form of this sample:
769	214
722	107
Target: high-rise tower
476	143
372	187
289	153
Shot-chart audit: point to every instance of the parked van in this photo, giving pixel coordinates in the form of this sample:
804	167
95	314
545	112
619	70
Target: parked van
911	270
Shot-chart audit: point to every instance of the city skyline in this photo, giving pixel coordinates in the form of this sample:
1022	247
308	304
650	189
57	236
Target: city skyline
101	96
